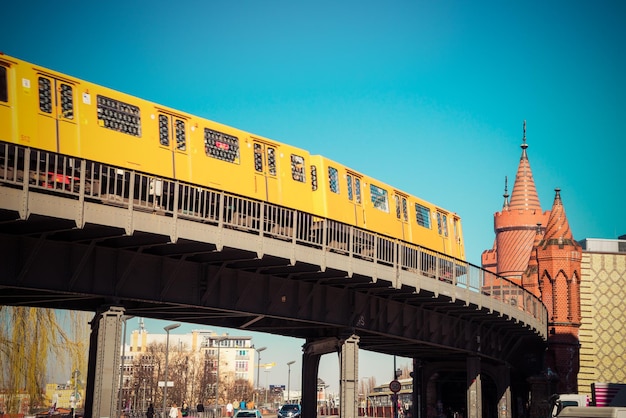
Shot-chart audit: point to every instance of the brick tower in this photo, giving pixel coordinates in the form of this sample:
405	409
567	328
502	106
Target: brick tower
515	226
558	271
536	250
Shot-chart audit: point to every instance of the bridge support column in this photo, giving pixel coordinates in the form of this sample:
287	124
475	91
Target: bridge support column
474	389
103	367
312	352
504	389
349	359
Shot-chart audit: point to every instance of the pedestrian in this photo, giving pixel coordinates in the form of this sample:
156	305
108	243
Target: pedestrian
150	411
200	409
173	411
229	409
185	409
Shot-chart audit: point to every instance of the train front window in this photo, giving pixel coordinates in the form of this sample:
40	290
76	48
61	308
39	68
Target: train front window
4	88
379	198
221	146
422	215
333	179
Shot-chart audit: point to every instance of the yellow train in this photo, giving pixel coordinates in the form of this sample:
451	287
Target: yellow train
50	111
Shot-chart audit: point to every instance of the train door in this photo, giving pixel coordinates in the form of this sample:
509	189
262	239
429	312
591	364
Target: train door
56	118
173	143
442	230
402	213
266	172
355	197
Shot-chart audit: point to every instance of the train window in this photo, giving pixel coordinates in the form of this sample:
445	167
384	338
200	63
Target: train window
4	85
442	224
405	209
313	178
398	209
181	138
333	179
45	95
221	146
271	160
164	130
297	168
379	198
350	190
67	101
119	116
258	157
357	189
422	215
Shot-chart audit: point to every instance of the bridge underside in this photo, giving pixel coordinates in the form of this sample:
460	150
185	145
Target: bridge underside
49	262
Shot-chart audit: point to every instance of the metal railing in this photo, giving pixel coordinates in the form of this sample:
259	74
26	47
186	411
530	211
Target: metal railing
45	172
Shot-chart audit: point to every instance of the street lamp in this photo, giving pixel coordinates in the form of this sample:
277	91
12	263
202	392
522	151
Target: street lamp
289	363
76	373
217	373
119	399
167	350
258	350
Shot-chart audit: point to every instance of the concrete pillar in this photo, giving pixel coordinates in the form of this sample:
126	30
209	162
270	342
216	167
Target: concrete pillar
504	389
104	363
348	380
312	352
474	389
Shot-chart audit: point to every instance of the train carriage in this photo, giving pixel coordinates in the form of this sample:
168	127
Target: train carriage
50	111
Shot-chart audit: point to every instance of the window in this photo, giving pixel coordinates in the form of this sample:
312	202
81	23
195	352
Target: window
402	211
221	146
297	168
313	178
258	159
379	198
164	130
354	188
4	85
333	179
67	101
398	209
45	95
442	224
118	116
422	215
181	138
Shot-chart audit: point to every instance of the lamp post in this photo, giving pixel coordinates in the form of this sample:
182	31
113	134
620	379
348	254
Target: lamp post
167	350
217	373
119	399
258	350
289	363
76	373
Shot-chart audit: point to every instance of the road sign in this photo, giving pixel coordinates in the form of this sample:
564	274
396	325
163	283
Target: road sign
395	386
170	384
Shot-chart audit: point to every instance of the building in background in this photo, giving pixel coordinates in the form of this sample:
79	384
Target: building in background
582	284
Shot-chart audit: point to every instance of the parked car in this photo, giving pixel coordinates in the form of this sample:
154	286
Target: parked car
289	410
248	413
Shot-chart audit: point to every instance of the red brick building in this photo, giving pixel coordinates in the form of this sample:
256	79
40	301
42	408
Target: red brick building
536	249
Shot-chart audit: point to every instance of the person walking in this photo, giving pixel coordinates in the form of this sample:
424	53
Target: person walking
150	411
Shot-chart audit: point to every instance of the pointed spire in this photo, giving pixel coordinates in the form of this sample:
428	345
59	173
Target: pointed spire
505	206
524	195
557	230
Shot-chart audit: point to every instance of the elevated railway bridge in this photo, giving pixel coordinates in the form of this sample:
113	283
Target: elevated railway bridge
80	235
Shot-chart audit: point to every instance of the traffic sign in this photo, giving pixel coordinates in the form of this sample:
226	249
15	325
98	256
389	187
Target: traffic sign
395	386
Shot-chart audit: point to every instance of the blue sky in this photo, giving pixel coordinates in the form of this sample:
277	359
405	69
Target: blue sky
427	96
